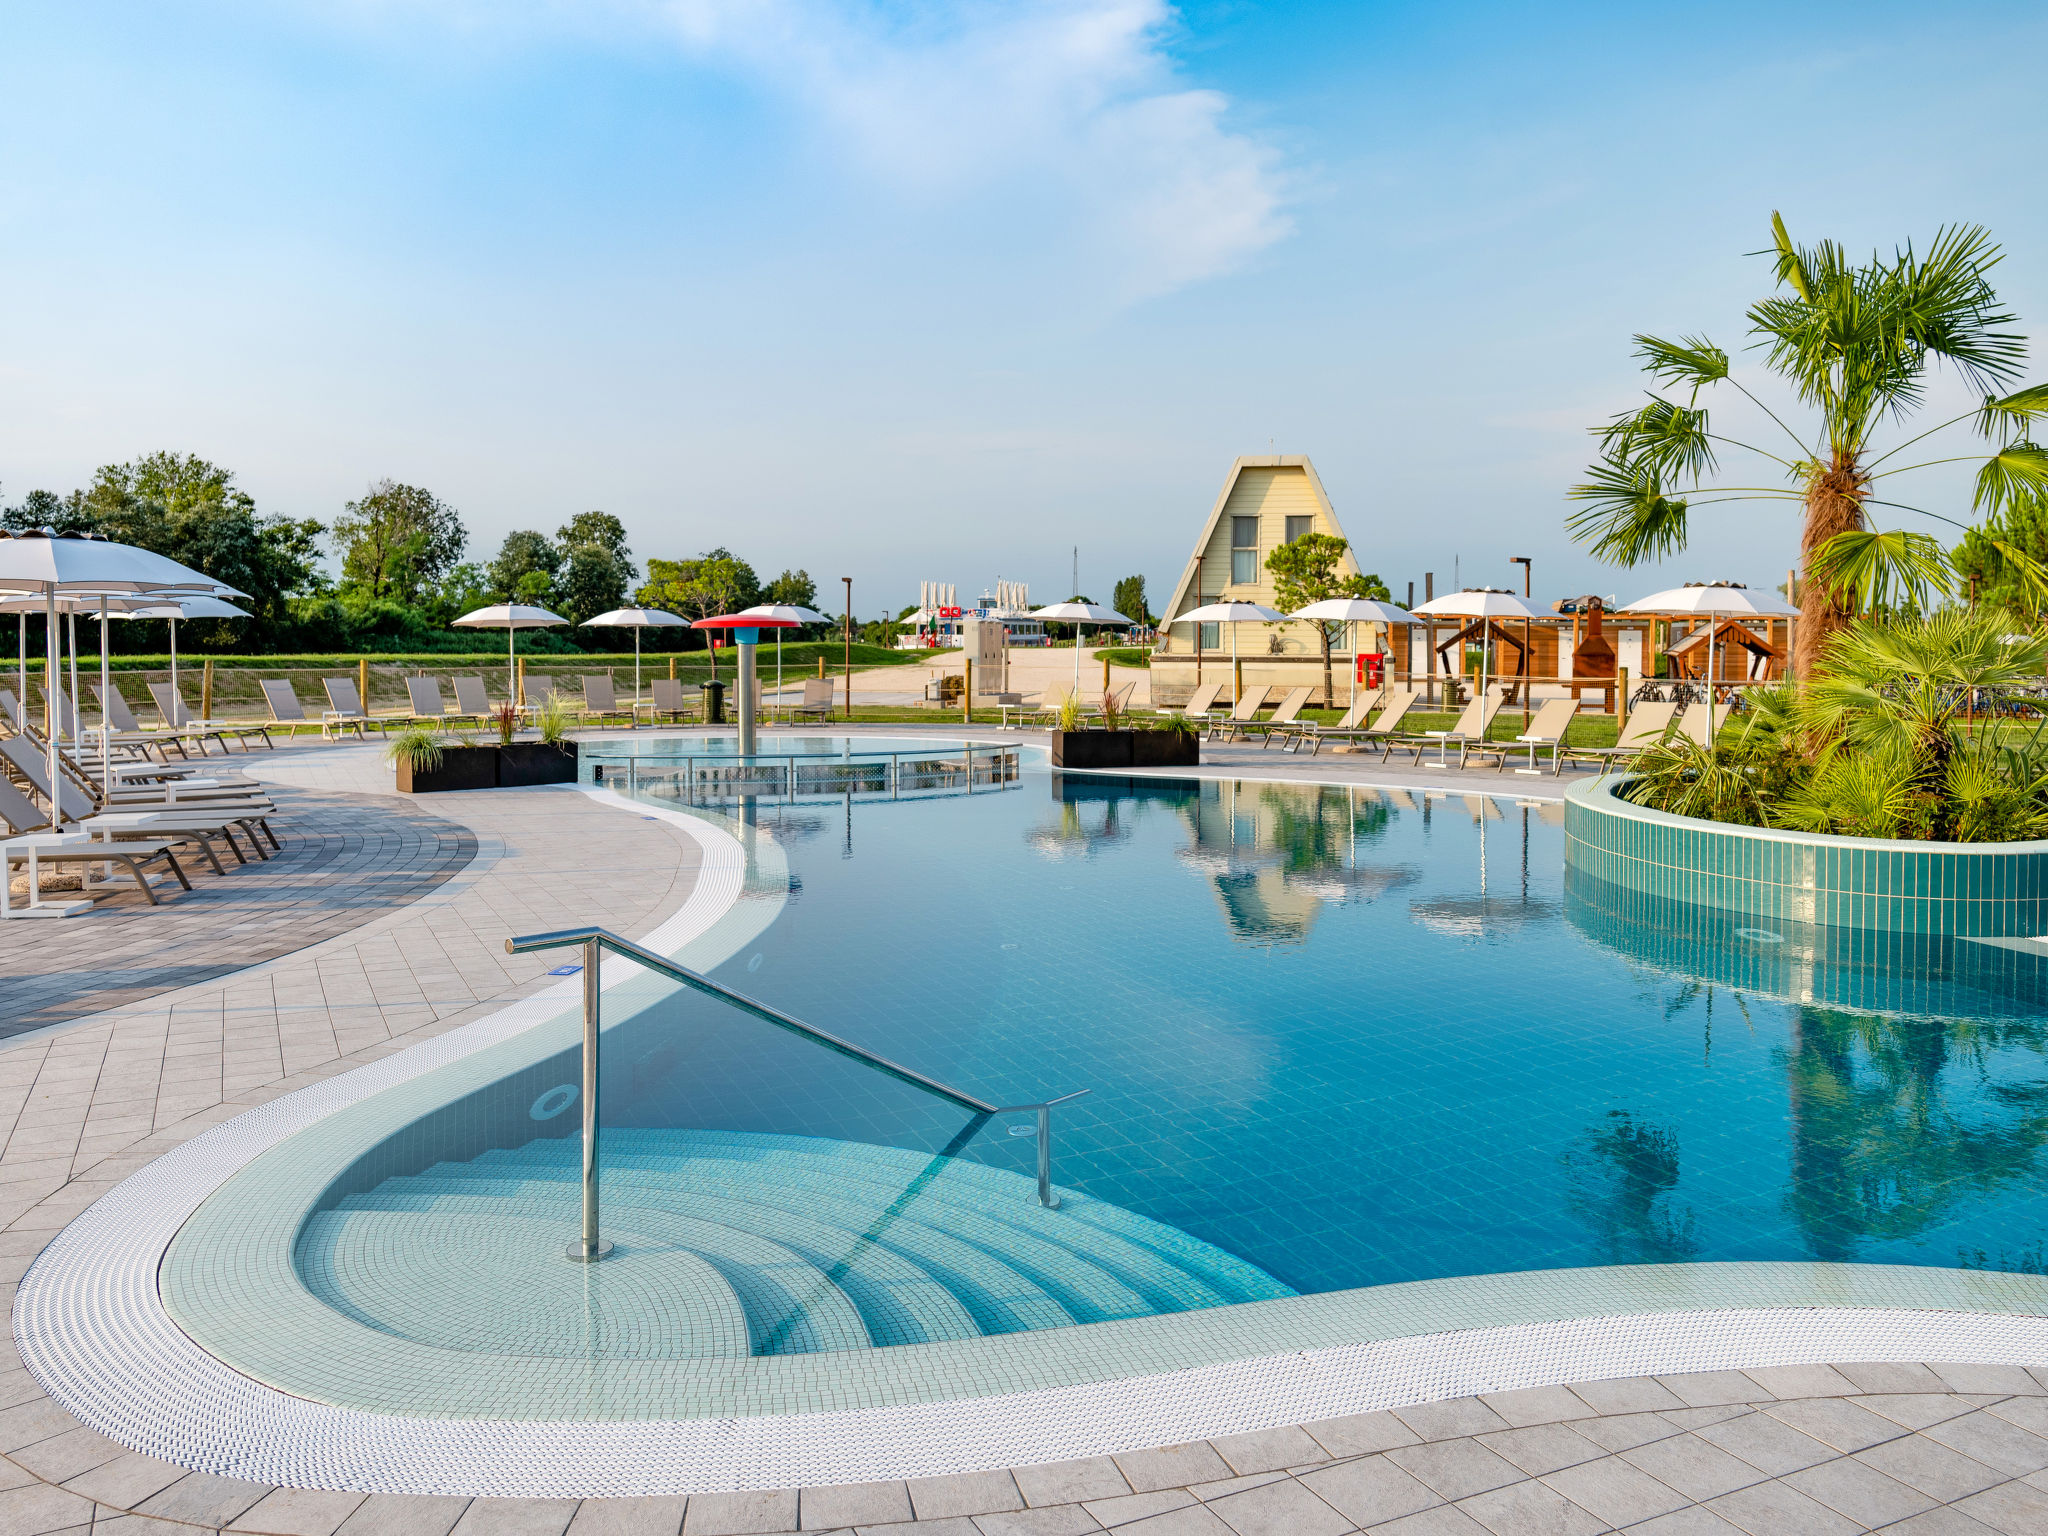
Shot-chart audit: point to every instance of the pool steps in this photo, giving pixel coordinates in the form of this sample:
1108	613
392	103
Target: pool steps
755	1244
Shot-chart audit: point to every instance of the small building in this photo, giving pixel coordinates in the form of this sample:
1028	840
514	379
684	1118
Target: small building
1265	502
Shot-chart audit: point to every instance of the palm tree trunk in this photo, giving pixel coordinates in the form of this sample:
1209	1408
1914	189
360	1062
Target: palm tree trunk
1834	504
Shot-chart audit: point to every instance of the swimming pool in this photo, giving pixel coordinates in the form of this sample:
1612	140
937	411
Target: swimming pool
1359	1036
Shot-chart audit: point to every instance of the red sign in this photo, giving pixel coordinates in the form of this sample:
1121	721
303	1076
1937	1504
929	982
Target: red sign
949	613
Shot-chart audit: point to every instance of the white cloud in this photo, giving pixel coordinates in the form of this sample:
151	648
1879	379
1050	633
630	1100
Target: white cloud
1074	106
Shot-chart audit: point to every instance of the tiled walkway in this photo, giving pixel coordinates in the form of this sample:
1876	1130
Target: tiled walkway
1922	1449
344	860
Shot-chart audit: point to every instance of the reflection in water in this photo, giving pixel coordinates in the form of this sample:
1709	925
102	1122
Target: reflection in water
1620	1181
1916	1068
1498	906
1275	854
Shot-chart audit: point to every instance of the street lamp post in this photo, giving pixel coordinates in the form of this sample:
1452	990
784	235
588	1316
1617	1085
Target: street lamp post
848	635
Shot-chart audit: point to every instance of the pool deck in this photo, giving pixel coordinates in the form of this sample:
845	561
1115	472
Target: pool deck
84	1102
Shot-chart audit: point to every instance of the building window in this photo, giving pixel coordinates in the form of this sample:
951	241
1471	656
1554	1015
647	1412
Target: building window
1299	527
1211	638
1244	550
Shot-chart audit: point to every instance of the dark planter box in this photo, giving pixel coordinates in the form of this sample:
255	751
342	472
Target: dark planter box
461	768
536	762
1125	749
1165	749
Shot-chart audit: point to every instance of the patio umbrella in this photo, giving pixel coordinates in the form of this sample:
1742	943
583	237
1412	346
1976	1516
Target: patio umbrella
635	619
1717	600
49	565
789	612
1355	610
1478	603
746	633
510	617
1078	614
1232	614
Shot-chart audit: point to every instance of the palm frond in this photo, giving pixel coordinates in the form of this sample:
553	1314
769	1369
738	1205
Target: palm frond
2017	412
1690	360
1665	438
2016	469
2032	574
1793	264
1627	517
1877	567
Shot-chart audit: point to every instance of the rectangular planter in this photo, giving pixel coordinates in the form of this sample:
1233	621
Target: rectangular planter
535	762
1165	749
1125	749
461	768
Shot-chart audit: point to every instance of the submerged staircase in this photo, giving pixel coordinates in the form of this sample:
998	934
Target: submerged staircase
733	1243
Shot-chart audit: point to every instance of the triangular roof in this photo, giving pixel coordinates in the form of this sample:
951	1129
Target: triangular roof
1349	564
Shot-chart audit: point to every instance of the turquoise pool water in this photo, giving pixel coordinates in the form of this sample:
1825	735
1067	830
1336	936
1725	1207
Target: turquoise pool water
1355	1036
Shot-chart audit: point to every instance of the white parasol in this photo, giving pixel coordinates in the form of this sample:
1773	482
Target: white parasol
1355	610
1477	603
1078	614
1717	600
1232	614
510	617
636	619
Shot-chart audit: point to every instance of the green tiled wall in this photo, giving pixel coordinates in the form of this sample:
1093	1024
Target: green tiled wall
1979	890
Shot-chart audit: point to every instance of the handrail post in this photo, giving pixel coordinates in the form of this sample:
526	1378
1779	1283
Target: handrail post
1045	1158
589	1248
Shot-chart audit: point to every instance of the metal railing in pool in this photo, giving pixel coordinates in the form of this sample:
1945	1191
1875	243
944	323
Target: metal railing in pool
791	775
590	1245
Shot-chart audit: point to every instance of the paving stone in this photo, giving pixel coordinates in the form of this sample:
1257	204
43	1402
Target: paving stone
657	1516
1455	1469
1860	1491
1636	1394
1917	1410
1712	1389
1934	1469
301	1512
1886	1376
1193	1520
1070	1482
516	1517
1450	1420
1541	1448
1943	1520
200	1498
1267	1449
1615	1491
2016	1508
852	1504
1360	1434
1537	1405
1530	1509
1995	1441
1055	1520
1995	1379
1282	1508
1444	1520
1173	1466
1695	1521
39	1507
1787	1381
740	1514
1624	1431
1369	1491
1770	1445
1696	1468
1835	1422
1137	1506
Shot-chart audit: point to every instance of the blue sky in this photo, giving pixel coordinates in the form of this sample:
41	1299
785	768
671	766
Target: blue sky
940	291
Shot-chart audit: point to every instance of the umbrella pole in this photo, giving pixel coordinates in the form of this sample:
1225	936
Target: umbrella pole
71	623
53	720
511	688
1713	637
21	661
636	674
106	715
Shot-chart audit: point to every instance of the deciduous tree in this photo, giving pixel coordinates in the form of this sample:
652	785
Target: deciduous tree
1310	570
398	541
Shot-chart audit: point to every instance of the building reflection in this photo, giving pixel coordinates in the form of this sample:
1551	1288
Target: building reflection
1275	855
1915	1068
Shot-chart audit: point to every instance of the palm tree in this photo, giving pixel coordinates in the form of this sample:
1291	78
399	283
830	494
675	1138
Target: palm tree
1855	344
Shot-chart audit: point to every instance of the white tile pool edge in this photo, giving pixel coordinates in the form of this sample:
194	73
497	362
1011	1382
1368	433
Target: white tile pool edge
92	1329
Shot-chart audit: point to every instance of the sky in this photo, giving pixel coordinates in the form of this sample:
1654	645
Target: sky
948	291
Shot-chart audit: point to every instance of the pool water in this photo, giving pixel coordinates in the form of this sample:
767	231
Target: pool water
1356	1036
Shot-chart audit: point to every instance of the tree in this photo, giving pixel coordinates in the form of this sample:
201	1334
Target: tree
1129	600
524	568
1306	570
1985	572
793	588
599	528
398	542
46	509
715	582
1854	344
592	581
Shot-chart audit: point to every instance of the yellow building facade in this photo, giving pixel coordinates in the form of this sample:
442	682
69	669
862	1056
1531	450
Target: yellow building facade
1265	502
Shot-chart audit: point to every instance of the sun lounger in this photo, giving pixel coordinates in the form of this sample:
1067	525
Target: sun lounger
473	699
1350	720
818	702
600	700
39	848
1393	710
282	700
1242	713
176	717
115	706
1695	725
1546	729
1646	725
423	695
1281	718
344	708
181	809
1202	704
670	700
1471	726
172	825
539	689
16	717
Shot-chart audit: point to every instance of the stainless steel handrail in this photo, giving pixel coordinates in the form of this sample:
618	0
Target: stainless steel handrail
593	942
